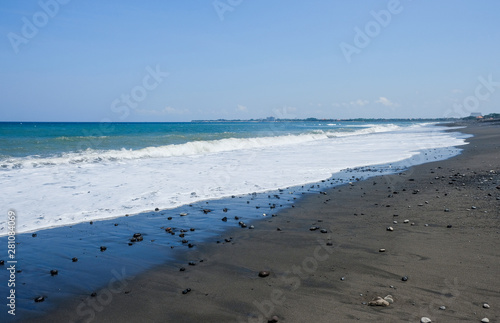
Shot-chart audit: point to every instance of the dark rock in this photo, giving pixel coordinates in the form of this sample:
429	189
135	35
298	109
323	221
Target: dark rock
169	218
190	245
192	263
404	278
157	209
182	269
187	290
34	235
2	262
273	319
39	299
313	228
140	238
323	231
224	219
94	294
264	273
53	272
103	248
137	235
449	226
133	240
224	209
206	211
74	259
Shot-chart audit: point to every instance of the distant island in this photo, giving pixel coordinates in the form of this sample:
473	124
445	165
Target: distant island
475	116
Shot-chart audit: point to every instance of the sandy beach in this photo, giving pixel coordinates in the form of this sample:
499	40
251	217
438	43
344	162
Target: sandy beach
332	253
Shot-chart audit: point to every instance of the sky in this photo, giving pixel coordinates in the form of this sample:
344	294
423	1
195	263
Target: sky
169	61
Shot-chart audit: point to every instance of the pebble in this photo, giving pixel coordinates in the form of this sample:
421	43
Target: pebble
39	299
390	229
449	226
442	308
485	320
74	259
486	305
404	278
34	235
381	250
53	272
395	222
182	269
157	209
313	228
224	219
264	273
184	214
425	320
389	299
187	290
379	301
251	227
273	319
103	248
406	221
323	231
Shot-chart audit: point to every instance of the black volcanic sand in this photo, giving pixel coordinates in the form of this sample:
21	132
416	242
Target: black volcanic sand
448	251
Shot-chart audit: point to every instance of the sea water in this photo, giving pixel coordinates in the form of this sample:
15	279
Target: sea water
57	174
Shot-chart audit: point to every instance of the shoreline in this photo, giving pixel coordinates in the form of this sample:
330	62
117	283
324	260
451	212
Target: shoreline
306	283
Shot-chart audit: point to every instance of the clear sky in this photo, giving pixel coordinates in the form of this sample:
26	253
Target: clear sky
166	60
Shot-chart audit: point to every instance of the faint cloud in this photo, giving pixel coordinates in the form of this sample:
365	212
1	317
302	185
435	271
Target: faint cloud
162	112
456	91
359	103
354	103
242	108
385	101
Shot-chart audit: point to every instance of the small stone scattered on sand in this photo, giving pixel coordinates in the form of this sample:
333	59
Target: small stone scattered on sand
404	278
485	320
425	320
273	319
381	250
187	290
378	301
442	308
264	273
486	305
390	229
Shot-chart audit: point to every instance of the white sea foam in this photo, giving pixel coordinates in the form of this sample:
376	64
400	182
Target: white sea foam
113	183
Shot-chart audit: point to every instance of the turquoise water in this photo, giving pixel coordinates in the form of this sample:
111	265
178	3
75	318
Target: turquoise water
50	139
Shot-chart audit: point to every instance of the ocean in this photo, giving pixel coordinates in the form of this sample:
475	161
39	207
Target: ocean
77	187
58	174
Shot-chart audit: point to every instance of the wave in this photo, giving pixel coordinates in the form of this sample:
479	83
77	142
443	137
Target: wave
200	147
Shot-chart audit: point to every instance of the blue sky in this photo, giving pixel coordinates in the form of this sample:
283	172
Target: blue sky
73	60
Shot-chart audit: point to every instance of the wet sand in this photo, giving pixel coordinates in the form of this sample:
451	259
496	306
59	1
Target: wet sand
448	251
